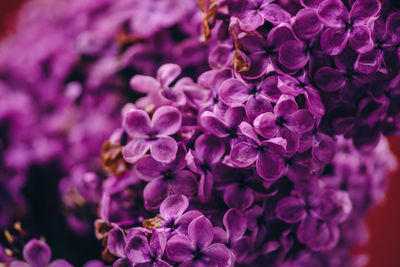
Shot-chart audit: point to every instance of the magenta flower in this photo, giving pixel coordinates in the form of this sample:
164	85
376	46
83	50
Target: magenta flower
152	134
143	252
385	39
235	223
268	155
251	13
165	178
318	215
196	248
38	254
342	25
206	155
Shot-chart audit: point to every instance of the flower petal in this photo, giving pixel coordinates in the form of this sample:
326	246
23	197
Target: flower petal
213	124
269	88
60	263
234	116
205	186
185	183
19	264
330	80
154	193
166	120
256	106
393	27
369	62
235	223
292	55
234	92
278	35
300	121
332	13
135	150
243	155
200	232
252	44
238	197
183	222
248	131
274	13
209	148
270	166
220	56
360	39
317	234
116	242
173	206
149	168
335	206
265	125
37	253
216	255
251	20
285	106
167	73
164	149
324	148
158	242
307	24
363	10
137	249
291	209
144	84
137	123
333	41
314	102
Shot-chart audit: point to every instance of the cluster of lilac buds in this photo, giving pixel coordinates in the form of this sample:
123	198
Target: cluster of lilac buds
273	155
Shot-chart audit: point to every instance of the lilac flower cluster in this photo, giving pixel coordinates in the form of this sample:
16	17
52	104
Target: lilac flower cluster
273	155
259	174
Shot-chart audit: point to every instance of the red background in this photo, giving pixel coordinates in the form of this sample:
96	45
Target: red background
383	221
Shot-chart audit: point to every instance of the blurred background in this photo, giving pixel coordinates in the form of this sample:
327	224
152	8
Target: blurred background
383	221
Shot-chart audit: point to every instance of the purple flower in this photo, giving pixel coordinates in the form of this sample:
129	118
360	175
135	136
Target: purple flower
143	252
38	254
268	154
385	40
261	50
196	248
172	211
342	25
286	114
240	187
252	13
165	178
300	85
307	24
206	155
234	237
228	127
153	134
318	215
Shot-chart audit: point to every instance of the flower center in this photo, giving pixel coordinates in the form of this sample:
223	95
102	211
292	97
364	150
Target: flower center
280	121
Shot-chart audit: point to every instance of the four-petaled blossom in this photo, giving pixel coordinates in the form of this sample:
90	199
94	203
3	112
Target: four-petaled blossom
196	248
164	178
153	134
38	254
268	154
342	25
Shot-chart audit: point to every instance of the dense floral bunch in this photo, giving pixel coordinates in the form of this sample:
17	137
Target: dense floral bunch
274	155
258	179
